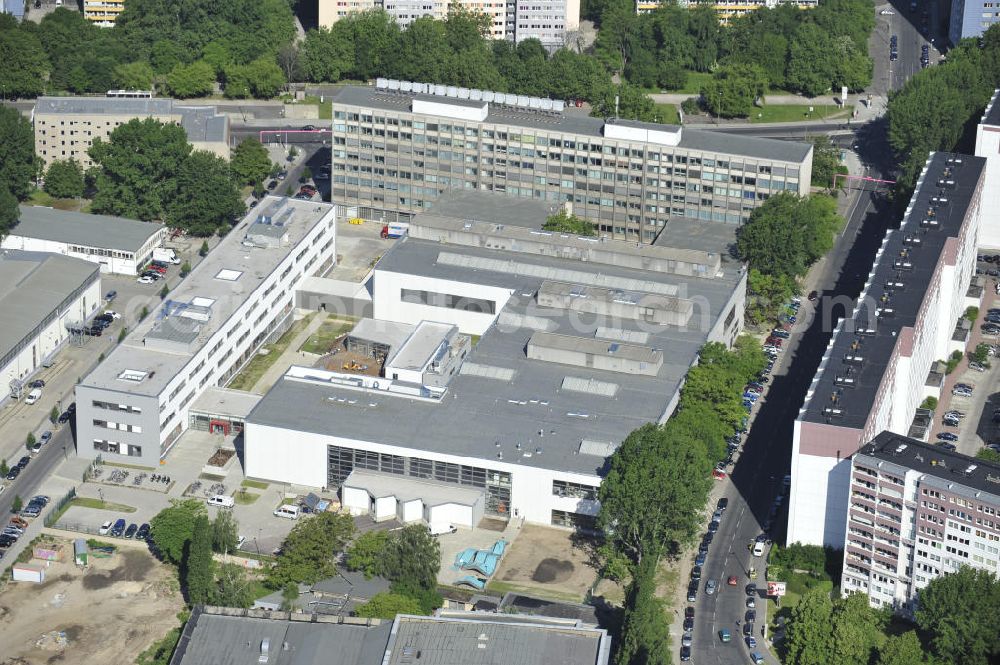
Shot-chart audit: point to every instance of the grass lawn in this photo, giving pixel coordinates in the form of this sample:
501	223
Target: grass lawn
256	484
129	466
694	82
42	198
255	369
325	108
245	498
84	502
667	114
797	112
321	341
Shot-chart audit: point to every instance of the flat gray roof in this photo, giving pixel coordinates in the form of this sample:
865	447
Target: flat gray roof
567	123
489	639
381	485
33	287
492	208
389	333
419	347
78	228
531	410
202	123
211	285
225	402
217	639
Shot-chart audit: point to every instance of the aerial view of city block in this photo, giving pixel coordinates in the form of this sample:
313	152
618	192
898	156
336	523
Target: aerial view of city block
489	332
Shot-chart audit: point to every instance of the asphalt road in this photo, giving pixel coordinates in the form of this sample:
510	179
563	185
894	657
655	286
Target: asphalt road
766	458
27	483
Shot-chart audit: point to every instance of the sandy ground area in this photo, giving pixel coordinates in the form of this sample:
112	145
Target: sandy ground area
108	613
547	562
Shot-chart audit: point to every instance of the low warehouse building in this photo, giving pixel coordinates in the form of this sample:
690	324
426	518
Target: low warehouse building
118	245
42	296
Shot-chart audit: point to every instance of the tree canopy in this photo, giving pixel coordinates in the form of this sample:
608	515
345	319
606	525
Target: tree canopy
645	638
957	613
566	222
387	605
250	161
206	199
307	553
17	145
198	564
64	179
172	527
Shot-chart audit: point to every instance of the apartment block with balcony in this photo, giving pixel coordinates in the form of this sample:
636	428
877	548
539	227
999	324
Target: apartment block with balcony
103	12
394	153
877	368
727	9
916	512
136	403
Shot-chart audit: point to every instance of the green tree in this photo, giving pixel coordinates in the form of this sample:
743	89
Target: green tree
811	60
956	614
412	558
203	251
767	294
233	588
164	291
4	469
826	161
30	441
327	54
138	168
17	145
194	80
858	630
17	504
64	179
989	455
136	75
198	563
261	78
809	636
54	415
733	90
653	494
366	553
387	605
185	269
8	212
173	526
289	594
206	197
225	532
566	222
307	554
250	162
25	63
902	649
645	635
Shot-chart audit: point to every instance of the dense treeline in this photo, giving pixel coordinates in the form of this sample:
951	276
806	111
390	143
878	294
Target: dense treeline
933	109
185	45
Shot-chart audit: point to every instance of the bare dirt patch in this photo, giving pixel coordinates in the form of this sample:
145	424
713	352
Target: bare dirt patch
546	562
105	614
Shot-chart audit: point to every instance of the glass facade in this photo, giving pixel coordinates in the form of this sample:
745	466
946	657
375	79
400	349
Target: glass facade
396	163
341	461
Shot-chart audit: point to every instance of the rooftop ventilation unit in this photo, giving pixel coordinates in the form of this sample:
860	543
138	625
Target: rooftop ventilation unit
265	647
955	161
946	184
832	412
894	285
929	223
902	264
939	200
913	241
899	449
885	312
854	359
867	332
845	380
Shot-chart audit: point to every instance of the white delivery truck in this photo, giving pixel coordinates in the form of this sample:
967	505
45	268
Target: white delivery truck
165	254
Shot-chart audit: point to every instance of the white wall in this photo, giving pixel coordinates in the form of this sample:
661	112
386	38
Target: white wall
355	500
299	458
121	265
385	508
451	513
411	511
988	146
818	498
388	304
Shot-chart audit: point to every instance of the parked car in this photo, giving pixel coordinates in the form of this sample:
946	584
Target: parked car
947	436
685	653
13	473
37	383
710	587
692	594
751	602
145	280
130	531
977	367
724	636
111	295
947	446
722	504
118	528
105	528
954	414
696	573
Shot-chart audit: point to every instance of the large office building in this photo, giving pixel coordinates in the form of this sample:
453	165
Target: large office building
728	9
988	147
42	296
139	399
516	20
879	365
971	18
121	246
396	151
223	636
507	363
66	126
917	512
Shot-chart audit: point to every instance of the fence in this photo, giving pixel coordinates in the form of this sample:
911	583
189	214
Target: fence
74	526
53	515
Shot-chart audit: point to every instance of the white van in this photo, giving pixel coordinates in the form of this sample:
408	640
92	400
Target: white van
33	396
222	501
758	548
288	512
441	529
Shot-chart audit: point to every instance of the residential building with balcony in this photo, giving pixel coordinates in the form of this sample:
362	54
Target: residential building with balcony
138	400
877	368
727	9
396	151
103	12
916	512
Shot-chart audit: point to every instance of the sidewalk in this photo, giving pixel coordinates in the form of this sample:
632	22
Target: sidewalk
291	356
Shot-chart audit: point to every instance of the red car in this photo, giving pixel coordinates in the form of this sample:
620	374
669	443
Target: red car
731	581
159	269
718	474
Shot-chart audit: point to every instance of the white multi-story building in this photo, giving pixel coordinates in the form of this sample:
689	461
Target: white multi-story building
137	401
971	18
42	296
988	147
511	363
877	368
917	512
118	245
